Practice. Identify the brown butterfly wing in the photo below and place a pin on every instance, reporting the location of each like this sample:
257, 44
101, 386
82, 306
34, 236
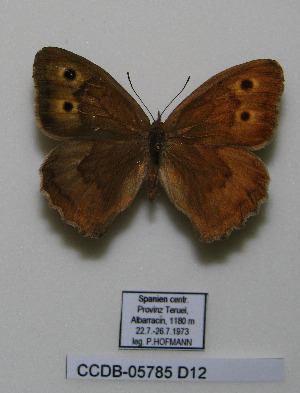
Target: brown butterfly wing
97, 171
75, 97
90, 181
237, 107
206, 167
217, 187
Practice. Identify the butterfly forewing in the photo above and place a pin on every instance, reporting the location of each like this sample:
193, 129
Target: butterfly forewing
237, 107
77, 98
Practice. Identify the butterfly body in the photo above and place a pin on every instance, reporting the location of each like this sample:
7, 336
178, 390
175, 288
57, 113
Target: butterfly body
156, 142
201, 155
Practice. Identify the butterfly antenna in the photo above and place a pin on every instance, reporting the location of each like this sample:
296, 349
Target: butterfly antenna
139, 97
187, 81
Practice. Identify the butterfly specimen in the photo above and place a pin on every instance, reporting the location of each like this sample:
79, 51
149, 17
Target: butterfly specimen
201, 154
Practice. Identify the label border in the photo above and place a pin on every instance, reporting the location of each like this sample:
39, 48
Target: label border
166, 348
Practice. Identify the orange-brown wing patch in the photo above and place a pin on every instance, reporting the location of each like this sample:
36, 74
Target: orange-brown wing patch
237, 107
216, 187
91, 181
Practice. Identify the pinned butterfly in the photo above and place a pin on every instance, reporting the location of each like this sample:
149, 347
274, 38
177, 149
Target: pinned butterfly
201, 155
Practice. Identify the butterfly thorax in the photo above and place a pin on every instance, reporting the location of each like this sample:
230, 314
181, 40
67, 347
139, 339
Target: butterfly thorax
155, 144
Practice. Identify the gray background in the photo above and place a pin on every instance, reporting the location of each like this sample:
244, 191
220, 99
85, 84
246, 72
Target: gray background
61, 293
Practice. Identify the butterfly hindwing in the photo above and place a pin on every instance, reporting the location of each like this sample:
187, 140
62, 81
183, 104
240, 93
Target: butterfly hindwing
216, 187
90, 181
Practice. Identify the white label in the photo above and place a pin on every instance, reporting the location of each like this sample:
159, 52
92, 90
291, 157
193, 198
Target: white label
184, 370
162, 320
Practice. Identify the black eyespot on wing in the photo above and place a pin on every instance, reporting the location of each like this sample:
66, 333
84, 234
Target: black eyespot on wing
245, 116
70, 74
68, 106
246, 84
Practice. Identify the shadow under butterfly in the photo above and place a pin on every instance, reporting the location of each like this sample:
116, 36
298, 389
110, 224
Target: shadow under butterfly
201, 154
